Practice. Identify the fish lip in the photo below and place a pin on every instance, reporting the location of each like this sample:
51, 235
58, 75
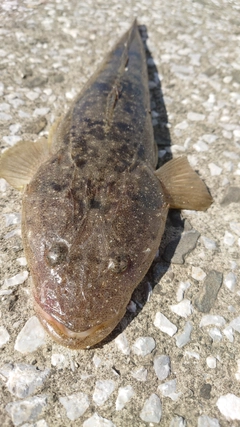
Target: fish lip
72, 339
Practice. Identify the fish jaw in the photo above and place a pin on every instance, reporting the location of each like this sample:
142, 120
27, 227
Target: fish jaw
76, 339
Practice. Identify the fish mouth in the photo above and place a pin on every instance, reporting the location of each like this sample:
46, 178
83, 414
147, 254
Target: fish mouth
72, 339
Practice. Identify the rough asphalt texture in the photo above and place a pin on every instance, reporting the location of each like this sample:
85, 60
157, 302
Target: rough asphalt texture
185, 374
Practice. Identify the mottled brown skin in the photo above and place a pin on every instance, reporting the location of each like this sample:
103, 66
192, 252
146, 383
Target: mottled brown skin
94, 213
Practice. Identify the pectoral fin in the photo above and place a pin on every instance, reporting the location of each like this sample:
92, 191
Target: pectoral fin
183, 187
21, 162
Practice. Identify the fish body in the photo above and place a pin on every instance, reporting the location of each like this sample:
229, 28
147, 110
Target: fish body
94, 212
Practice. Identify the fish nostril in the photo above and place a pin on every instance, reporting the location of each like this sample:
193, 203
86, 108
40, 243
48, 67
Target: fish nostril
119, 264
56, 254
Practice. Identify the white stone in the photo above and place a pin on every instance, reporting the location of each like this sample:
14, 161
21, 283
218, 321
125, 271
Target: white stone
4, 336
161, 322
5, 116
209, 138
30, 337
97, 361
229, 239
228, 332
152, 410
205, 421
208, 243
182, 125
124, 395
214, 169
140, 374
26, 410
178, 422
195, 117
184, 338
23, 379
32, 95
200, 146
58, 360
198, 273
12, 218
97, 421
162, 366
231, 155
22, 261
183, 286
12, 139
211, 319
215, 334
75, 404
16, 280
168, 389
122, 343
211, 362
183, 309
235, 226
14, 128
143, 346
132, 307
4, 107
103, 390
230, 281
41, 111
229, 406
235, 324
3, 185
23, 115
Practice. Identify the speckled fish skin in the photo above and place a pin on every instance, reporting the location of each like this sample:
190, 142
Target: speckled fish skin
94, 213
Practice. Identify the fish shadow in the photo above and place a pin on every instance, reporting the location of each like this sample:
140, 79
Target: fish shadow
174, 225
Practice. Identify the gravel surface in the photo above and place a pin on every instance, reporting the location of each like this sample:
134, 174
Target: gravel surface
174, 359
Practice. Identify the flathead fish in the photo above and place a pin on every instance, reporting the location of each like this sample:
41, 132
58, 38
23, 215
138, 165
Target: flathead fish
94, 207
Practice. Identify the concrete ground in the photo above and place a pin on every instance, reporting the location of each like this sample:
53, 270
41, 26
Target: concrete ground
174, 359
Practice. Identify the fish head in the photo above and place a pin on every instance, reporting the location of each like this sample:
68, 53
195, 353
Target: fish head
88, 249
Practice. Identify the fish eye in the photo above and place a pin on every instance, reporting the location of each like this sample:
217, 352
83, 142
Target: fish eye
119, 264
56, 254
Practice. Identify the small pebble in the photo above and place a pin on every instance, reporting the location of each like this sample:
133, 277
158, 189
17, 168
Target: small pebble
195, 117
205, 421
161, 322
124, 395
96, 361
41, 111
14, 128
200, 146
208, 243
140, 374
235, 226
183, 309
5, 116
58, 360
184, 338
168, 389
235, 324
143, 346
16, 280
228, 332
4, 336
11, 219
22, 261
209, 138
30, 337
152, 410
26, 410
75, 404
192, 354
211, 362
228, 239
229, 406
209, 291
103, 390
40, 423
162, 366
198, 273
230, 281
97, 421
32, 95
183, 286
12, 139
23, 379
211, 319
214, 169
215, 334
122, 343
